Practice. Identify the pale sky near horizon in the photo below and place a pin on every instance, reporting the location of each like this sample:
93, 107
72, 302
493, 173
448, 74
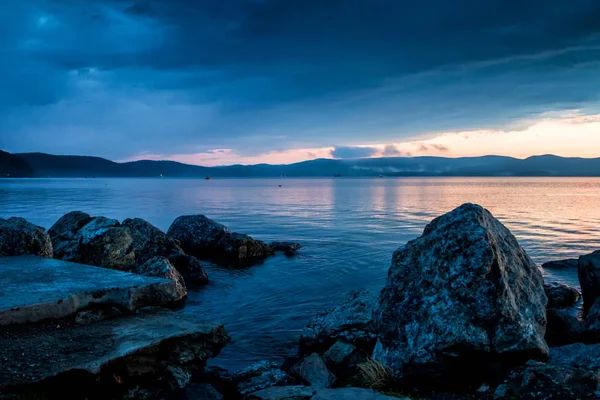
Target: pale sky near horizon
281, 81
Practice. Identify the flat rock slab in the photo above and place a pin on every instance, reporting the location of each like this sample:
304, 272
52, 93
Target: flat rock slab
34, 288
32, 353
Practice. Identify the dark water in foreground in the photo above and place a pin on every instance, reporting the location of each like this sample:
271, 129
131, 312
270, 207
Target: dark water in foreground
348, 228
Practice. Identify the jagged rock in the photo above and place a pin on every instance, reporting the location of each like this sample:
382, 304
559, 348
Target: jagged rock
190, 268
260, 376
588, 271
207, 239
350, 322
561, 264
313, 371
464, 293
289, 248
91, 316
149, 241
18, 237
563, 327
160, 267
65, 237
156, 351
561, 295
537, 380
202, 391
352, 393
284, 393
343, 359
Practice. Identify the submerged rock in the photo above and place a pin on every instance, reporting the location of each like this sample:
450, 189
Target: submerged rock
160, 267
289, 248
350, 322
561, 264
260, 376
207, 239
18, 237
588, 271
464, 293
561, 295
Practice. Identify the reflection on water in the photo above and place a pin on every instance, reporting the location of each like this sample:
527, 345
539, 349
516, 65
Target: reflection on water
348, 227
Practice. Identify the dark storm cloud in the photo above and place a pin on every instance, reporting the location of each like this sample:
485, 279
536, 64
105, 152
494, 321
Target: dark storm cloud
184, 75
353, 152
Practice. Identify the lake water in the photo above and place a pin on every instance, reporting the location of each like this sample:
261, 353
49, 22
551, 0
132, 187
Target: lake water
349, 229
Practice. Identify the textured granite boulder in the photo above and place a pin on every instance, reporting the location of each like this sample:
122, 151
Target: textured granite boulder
65, 235
207, 239
260, 376
18, 237
350, 322
464, 293
160, 267
313, 371
561, 295
149, 241
190, 268
588, 271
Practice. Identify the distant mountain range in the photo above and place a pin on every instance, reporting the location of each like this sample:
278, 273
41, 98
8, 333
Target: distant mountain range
47, 165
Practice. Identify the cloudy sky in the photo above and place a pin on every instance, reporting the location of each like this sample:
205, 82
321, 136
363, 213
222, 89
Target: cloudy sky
219, 82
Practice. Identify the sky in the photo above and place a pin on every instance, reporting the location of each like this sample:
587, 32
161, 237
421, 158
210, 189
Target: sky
278, 81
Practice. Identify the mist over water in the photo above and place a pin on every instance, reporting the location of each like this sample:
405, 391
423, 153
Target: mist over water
349, 229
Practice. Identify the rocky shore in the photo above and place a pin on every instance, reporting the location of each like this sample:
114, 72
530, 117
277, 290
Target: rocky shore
464, 314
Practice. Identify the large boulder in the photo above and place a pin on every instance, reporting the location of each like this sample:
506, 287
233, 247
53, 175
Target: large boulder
561, 295
98, 241
463, 294
149, 241
563, 327
350, 322
19, 237
190, 268
207, 239
588, 271
160, 267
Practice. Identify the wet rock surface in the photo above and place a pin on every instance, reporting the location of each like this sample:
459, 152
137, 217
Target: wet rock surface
314, 372
19, 237
260, 376
207, 239
190, 268
149, 241
343, 359
350, 322
561, 264
461, 295
284, 392
561, 295
288, 248
588, 271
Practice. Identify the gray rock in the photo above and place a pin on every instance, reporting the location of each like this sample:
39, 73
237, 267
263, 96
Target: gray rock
537, 380
161, 349
313, 371
284, 393
160, 267
352, 393
343, 359
591, 323
149, 241
577, 355
561, 264
289, 248
464, 292
350, 322
65, 235
190, 268
561, 295
260, 376
18, 237
91, 316
588, 271
207, 239
202, 391
563, 327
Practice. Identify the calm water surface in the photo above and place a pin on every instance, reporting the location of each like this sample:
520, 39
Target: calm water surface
348, 228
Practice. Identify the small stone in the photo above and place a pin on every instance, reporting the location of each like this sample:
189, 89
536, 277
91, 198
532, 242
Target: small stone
313, 370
